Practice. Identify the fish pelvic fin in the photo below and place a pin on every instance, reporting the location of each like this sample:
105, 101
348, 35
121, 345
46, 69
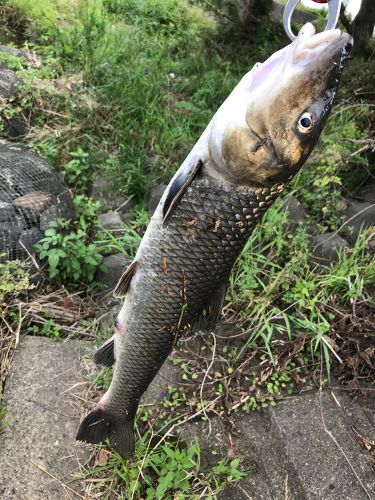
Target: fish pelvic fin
100, 425
106, 354
123, 285
178, 188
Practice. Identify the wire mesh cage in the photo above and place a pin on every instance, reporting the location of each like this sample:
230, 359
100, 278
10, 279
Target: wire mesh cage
31, 197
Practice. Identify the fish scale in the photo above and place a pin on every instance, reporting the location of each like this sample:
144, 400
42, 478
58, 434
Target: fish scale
199, 261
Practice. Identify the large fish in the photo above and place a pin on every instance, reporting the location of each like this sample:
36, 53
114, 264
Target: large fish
253, 146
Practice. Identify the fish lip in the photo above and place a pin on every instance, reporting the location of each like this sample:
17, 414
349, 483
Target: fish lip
318, 46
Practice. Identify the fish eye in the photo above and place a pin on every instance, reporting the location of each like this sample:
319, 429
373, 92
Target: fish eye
305, 123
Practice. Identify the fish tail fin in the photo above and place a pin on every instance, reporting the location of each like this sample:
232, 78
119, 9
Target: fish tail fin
100, 425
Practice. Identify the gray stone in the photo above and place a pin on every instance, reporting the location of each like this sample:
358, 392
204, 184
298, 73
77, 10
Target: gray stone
153, 198
367, 193
13, 51
325, 248
297, 214
116, 264
106, 192
111, 220
43, 418
295, 450
9, 83
316, 435
28, 238
53, 213
7, 212
358, 216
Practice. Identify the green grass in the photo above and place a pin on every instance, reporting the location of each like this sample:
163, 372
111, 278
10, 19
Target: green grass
146, 77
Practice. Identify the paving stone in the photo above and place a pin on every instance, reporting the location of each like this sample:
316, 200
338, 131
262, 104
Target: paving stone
287, 453
42, 421
318, 442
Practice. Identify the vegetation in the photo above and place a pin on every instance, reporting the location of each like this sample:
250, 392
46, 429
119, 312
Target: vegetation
124, 89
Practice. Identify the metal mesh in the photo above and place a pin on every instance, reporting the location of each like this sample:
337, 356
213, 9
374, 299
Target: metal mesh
31, 197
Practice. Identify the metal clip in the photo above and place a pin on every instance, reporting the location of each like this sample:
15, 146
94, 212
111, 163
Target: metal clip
334, 7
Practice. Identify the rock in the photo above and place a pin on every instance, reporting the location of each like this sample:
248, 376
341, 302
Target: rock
325, 247
52, 214
153, 198
297, 214
9, 83
13, 51
7, 212
106, 192
111, 220
367, 193
28, 238
358, 216
15, 126
116, 265
28, 182
43, 418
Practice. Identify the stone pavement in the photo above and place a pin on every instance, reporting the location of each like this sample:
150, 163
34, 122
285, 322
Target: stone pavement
314, 446
42, 422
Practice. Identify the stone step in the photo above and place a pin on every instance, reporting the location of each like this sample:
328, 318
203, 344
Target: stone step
39, 457
308, 447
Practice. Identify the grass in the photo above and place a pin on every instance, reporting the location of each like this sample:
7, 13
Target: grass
141, 81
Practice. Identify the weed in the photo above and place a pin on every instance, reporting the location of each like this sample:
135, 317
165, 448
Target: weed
166, 469
3, 413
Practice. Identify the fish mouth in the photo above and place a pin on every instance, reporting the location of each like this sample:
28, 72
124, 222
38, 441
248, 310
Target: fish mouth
327, 45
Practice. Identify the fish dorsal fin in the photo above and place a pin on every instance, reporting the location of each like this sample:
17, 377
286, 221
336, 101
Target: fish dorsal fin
178, 188
124, 282
208, 317
106, 354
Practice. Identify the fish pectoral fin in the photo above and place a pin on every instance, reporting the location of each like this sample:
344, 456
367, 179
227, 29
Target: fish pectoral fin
208, 318
106, 354
124, 282
178, 188
100, 425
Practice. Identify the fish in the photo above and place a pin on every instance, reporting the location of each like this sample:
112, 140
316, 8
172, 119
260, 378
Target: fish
252, 148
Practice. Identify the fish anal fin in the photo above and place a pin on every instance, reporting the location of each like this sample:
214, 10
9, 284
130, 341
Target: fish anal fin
124, 282
106, 354
178, 188
209, 316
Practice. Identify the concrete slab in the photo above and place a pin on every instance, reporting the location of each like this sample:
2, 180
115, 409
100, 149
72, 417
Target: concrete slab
291, 452
316, 433
42, 422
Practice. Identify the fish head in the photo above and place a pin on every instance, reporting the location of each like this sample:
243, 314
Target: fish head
271, 122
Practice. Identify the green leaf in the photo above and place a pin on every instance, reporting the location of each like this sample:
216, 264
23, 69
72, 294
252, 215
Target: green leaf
53, 259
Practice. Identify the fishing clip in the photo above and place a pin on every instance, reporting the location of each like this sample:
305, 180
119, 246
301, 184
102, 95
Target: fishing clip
334, 7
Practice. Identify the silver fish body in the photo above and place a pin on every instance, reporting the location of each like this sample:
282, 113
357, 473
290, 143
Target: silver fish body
240, 165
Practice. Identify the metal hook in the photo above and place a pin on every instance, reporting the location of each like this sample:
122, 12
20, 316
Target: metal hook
334, 7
